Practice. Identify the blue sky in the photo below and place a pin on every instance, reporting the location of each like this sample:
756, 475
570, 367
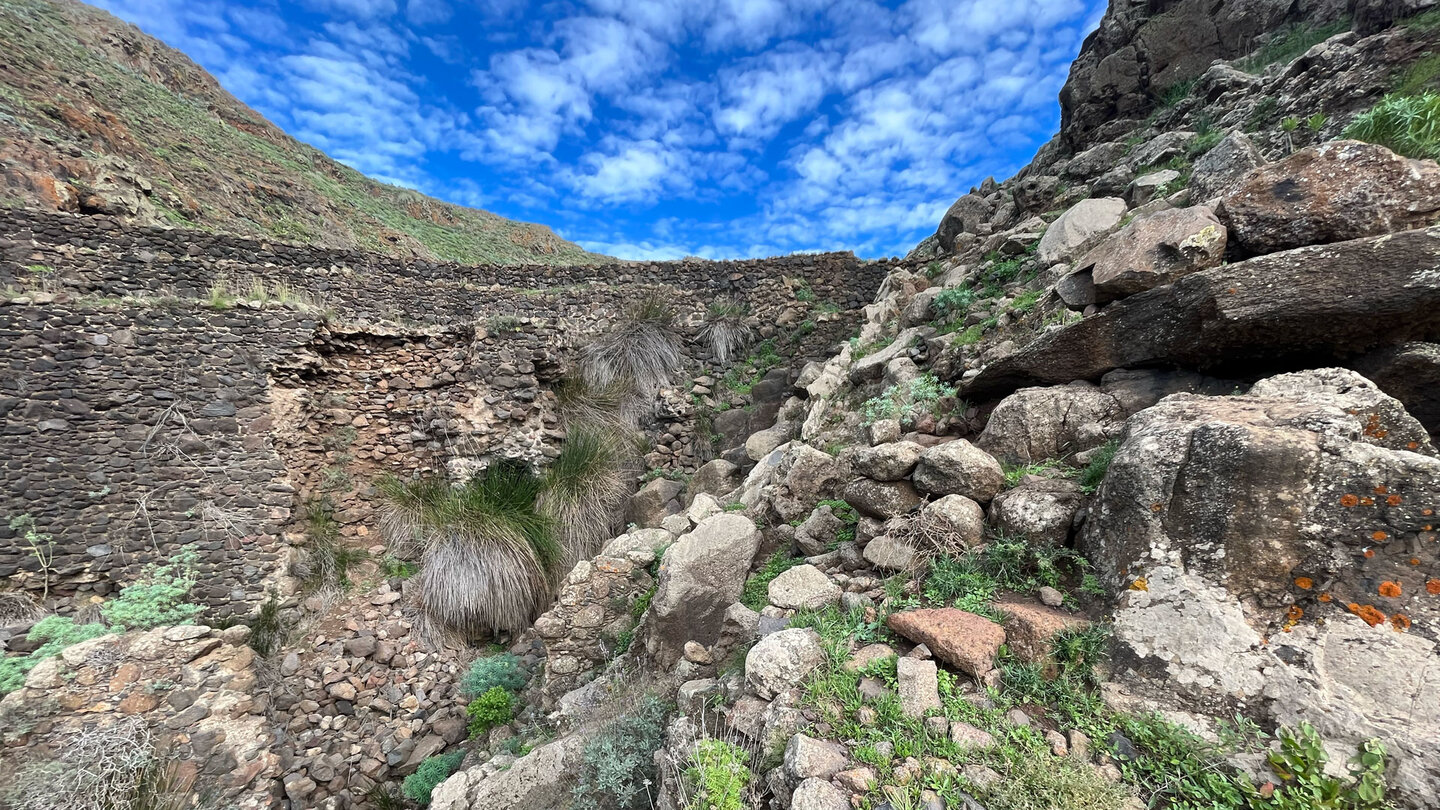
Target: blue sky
657, 128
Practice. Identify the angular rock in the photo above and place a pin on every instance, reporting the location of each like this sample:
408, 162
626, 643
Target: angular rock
958, 638
807, 757
541, 778
654, 501
1084, 224
817, 794
1030, 629
812, 475
882, 499
782, 660
762, 443
964, 216
970, 737
918, 685
1333, 192
959, 468
1146, 187
887, 462
1155, 250
1220, 170
718, 478
700, 576
890, 553
803, 586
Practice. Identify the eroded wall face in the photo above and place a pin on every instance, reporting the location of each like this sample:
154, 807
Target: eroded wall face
143, 410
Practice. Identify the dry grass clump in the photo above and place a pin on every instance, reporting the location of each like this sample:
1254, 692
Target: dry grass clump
726, 331
585, 492
642, 351
114, 767
487, 553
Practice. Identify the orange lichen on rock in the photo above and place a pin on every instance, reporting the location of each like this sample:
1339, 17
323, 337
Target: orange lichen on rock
1139, 585
1304, 583
1367, 501
1369, 552
1347, 500
1381, 490
1295, 613
1325, 597
1432, 587
1394, 500
1368, 613
1400, 622
1390, 589
1379, 536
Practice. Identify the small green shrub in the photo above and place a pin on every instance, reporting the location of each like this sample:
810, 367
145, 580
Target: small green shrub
617, 766
157, 598
1176, 93
493, 708
952, 302
1014, 474
1099, 465
418, 786
1201, 144
57, 633
267, 627
959, 582
1407, 125
756, 593
720, 774
908, 401
1304, 785
493, 671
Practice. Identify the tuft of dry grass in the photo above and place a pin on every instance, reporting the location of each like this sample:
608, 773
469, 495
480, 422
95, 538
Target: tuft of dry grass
642, 351
585, 493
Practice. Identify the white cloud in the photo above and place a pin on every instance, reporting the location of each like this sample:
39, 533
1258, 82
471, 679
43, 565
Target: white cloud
361, 9
427, 12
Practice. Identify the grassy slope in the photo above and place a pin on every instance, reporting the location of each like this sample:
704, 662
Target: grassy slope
80, 90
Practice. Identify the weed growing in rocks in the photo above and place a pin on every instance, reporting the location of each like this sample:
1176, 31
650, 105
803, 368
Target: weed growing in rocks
1287, 43
418, 786
725, 329
157, 598
56, 633
584, 493
493, 671
720, 772
908, 401
329, 559
1099, 465
42, 549
743, 376
267, 627
642, 351
1015, 473
493, 708
617, 768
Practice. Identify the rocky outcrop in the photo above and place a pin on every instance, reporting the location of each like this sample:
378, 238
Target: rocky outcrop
1302, 512
1154, 250
1291, 307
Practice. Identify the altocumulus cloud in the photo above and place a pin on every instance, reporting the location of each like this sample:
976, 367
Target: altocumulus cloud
657, 128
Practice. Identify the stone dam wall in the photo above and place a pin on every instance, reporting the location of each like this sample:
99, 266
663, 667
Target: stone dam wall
139, 415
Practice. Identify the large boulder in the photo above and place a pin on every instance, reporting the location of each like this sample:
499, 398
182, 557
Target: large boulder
1291, 308
958, 520
1035, 424
1155, 250
1041, 509
1331, 193
1302, 513
803, 586
1084, 224
882, 499
959, 468
700, 576
811, 475
718, 478
964, 216
887, 462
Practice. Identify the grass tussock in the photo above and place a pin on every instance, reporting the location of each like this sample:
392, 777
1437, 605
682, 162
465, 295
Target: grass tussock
1407, 125
725, 330
585, 493
642, 350
488, 555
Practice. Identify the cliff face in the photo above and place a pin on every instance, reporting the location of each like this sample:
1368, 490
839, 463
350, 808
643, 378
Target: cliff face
97, 117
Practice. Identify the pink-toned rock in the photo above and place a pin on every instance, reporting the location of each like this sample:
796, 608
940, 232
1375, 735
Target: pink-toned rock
1030, 628
961, 639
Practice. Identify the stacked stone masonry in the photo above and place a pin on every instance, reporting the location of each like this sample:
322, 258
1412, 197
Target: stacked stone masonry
138, 417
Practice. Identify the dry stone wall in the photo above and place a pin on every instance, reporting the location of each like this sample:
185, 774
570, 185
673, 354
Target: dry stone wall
139, 417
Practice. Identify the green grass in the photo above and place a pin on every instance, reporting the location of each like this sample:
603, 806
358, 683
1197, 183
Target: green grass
1015, 473
1428, 21
1177, 93
1419, 78
1099, 465
1287, 43
742, 377
1408, 125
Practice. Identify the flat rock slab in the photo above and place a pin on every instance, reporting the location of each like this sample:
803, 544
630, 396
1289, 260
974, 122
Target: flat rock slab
1030, 629
959, 638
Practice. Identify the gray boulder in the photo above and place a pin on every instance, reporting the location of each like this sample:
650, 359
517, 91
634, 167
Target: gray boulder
1155, 250
1222, 169
1084, 224
700, 576
654, 502
882, 499
959, 468
1035, 424
541, 778
887, 462
1041, 509
959, 520
781, 660
803, 586
718, 478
